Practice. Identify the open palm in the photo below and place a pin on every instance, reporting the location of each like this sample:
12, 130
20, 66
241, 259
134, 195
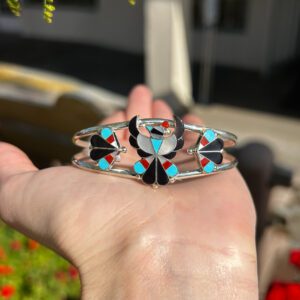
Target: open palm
189, 240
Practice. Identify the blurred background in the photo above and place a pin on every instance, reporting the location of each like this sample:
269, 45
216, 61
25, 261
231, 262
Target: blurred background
234, 62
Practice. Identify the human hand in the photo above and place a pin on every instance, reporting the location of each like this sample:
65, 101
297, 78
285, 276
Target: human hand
189, 240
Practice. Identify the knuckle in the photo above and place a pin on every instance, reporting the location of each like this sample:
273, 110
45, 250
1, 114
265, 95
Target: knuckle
6, 190
12, 192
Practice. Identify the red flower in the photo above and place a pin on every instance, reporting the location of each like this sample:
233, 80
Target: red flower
293, 291
33, 245
5, 270
295, 257
7, 291
16, 245
284, 291
61, 276
73, 272
2, 254
277, 291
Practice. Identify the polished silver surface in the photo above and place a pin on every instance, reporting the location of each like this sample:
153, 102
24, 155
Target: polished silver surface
79, 138
85, 163
145, 144
82, 139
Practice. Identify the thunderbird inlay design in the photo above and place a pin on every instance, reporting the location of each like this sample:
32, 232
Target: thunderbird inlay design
156, 142
156, 150
105, 148
209, 151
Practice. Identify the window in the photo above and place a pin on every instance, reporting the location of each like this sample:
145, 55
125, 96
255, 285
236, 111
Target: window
230, 15
77, 2
4, 8
233, 15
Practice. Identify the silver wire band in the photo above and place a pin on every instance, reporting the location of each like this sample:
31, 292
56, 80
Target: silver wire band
82, 139
78, 139
84, 162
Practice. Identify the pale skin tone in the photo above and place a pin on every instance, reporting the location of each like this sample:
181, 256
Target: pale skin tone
189, 240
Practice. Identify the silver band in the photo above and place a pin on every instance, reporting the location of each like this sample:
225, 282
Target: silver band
80, 138
83, 139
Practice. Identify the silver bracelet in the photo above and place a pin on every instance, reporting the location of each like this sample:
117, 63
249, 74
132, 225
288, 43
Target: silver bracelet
156, 148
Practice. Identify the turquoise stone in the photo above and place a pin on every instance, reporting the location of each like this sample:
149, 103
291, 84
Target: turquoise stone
139, 168
156, 144
106, 132
103, 164
209, 135
209, 167
172, 171
149, 128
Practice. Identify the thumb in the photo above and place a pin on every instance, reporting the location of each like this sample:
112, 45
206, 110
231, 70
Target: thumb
13, 161
18, 206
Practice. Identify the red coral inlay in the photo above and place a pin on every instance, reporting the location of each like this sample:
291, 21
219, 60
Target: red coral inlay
145, 163
111, 139
204, 141
165, 124
204, 162
109, 158
167, 164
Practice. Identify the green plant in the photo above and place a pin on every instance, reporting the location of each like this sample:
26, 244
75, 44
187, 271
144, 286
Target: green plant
49, 8
14, 6
30, 271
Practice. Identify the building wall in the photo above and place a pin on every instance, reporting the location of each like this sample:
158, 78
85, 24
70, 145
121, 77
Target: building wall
270, 35
269, 38
113, 23
284, 31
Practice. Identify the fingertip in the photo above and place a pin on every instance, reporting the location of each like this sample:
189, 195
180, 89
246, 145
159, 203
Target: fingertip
11, 150
13, 161
190, 137
193, 119
139, 102
140, 90
162, 110
118, 116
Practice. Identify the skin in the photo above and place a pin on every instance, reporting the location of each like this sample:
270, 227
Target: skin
189, 240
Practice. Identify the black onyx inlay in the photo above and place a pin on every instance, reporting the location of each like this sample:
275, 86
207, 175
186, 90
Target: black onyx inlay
97, 154
155, 173
133, 142
132, 126
142, 153
216, 145
215, 157
179, 130
180, 143
162, 177
155, 131
97, 141
149, 176
170, 155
